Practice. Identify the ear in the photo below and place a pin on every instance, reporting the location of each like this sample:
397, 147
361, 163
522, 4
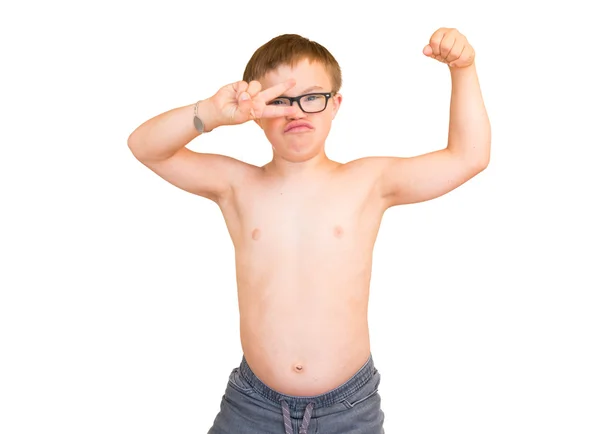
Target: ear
337, 101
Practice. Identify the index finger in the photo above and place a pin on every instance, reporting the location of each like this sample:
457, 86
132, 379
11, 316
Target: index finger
436, 40
275, 91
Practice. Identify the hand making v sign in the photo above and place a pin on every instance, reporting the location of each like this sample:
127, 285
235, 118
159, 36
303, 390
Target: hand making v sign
240, 102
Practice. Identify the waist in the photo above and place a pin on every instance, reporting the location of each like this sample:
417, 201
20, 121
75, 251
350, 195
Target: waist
337, 394
286, 354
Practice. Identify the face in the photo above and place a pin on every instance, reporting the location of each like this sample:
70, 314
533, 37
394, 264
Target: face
301, 136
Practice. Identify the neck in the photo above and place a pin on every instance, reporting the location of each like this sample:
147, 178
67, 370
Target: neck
281, 167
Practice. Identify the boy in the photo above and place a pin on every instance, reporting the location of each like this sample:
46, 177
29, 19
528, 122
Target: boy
304, 226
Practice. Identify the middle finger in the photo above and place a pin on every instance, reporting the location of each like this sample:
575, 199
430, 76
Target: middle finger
446, 45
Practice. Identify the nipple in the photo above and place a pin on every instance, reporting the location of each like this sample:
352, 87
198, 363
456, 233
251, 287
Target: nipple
338, 231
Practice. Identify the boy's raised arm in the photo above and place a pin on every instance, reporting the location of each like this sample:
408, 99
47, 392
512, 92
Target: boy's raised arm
427, 176
160, 142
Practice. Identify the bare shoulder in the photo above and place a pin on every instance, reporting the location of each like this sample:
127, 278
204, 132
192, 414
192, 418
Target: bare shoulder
363, 175
367, 169
366, 164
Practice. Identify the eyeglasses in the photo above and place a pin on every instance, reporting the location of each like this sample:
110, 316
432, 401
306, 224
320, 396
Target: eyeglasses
308, 103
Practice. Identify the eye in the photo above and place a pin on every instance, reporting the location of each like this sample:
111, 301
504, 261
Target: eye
279, 101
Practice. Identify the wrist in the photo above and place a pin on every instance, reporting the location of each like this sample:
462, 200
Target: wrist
206, 111
463, 76
462, 70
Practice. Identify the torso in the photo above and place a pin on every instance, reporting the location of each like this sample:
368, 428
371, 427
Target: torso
303, 253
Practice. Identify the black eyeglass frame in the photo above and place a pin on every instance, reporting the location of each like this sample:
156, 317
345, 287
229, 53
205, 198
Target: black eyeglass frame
291, 99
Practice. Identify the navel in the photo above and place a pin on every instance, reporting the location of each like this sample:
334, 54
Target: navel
298, 368
256, 234
338, 231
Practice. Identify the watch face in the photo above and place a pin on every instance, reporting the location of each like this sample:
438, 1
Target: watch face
198, 124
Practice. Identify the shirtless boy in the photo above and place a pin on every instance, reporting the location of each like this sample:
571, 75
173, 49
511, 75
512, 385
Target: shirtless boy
304, 227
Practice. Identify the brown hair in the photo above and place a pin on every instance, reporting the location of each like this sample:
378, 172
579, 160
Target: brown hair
289, 49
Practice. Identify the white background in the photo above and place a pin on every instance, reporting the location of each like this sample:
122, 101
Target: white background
118, 310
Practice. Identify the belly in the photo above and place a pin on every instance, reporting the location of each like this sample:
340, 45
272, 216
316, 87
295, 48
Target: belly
303, 314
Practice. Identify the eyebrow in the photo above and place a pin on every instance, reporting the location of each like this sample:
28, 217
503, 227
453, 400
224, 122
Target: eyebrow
308, 89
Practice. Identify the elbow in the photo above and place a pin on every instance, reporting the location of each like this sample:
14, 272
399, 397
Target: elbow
133, 147
135, 144
479, 163
482, 160
137, 150
485, 158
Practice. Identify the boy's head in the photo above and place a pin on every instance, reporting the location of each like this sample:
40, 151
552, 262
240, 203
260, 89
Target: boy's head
318, 77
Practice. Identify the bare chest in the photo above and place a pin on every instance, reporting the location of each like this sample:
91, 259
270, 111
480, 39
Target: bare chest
298, 218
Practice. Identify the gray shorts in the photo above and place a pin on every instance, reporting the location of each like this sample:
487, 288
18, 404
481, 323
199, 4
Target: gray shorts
251, 407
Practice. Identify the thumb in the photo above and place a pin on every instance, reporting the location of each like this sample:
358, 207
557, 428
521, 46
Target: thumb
428, 51
244, 101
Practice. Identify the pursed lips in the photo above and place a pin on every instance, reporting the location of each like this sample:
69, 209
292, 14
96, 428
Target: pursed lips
297, 126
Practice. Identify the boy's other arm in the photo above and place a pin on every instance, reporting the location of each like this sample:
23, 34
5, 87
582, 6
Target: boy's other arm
427, 176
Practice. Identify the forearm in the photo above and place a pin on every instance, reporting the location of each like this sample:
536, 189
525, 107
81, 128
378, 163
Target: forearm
163, 135
469, 132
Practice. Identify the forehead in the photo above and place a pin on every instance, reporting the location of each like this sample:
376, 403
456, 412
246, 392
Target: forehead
306, 73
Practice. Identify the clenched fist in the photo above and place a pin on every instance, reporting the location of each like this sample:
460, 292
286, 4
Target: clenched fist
449, 46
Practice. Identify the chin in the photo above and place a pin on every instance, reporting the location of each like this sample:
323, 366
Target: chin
298, 158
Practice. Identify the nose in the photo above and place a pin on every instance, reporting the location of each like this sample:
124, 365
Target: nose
298, 114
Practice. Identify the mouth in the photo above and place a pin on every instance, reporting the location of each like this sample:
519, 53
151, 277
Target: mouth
298, 127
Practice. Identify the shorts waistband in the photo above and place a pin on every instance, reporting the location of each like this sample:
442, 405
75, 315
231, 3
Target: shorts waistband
359, 379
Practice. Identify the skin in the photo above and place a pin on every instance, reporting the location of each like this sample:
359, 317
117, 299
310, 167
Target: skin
304, 226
